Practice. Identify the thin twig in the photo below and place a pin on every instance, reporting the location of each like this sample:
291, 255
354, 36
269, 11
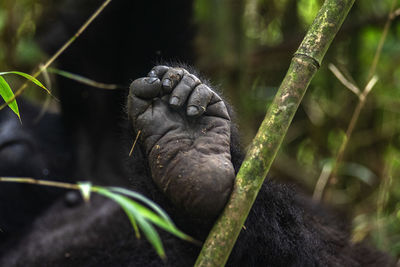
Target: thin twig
59, 52
46, 104
28, 180
134, 143
322, 181
354, 119
369, 86
343, 80
391, 16
84, 80
349, 132
321, 184
372, 79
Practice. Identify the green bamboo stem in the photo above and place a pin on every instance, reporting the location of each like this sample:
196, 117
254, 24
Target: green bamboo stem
265, 145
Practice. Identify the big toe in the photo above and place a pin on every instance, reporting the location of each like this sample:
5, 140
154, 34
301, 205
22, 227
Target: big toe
147, 88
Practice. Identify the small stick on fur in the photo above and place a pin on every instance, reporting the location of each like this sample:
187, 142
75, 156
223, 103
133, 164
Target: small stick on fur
134, 143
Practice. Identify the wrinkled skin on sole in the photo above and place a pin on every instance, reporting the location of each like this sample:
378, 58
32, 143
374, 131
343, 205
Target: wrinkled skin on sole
185, 132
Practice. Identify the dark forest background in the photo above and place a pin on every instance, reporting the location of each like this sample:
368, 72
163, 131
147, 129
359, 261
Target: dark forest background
245, 47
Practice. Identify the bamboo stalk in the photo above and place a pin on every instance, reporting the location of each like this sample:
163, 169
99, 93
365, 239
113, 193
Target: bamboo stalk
265, 145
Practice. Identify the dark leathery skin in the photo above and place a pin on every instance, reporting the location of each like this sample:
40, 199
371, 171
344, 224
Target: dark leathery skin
185, 131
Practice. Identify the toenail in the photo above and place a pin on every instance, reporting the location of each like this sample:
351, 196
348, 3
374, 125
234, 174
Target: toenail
167, 83
174, 101
152, 73
151, 80
192, 111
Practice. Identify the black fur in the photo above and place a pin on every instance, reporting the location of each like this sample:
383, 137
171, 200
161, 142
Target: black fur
283, 229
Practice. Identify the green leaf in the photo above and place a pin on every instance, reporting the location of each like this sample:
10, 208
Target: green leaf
162, 220
126, 203
133, 221
27, 76
141, 216
6, 93
152, 235
144, 199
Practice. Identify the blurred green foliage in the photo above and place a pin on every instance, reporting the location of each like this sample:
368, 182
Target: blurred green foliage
18, 49
249, 51
246, 46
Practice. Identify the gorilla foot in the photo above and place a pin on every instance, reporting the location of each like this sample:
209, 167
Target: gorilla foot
185, 131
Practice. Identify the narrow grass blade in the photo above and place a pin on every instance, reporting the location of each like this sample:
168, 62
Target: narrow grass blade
83, 80
161, 219
27, 76
143, 199
126, 203
6, 93
133, 222
160, 222
152, 235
